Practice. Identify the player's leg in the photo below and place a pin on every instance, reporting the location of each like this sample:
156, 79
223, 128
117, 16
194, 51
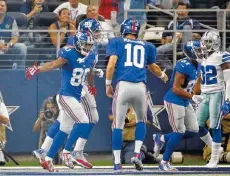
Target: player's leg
42, 152
176, 115
81, 128
202, 114
191, 124
89, 105
216, 101
139, 103
119, 108
69, 109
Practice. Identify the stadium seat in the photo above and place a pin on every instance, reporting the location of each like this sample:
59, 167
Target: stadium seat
53, 4
20, 18
14, 5
44, 19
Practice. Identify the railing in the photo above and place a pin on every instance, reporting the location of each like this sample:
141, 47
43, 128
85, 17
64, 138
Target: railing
39, 47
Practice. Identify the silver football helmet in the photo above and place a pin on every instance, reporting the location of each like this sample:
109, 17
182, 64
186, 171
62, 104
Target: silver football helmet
211, 40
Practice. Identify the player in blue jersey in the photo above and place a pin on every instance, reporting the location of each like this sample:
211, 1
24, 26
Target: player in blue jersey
75, 69
131, 57
181, 115
88, 102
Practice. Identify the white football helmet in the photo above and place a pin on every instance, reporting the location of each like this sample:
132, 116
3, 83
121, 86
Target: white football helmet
211, 40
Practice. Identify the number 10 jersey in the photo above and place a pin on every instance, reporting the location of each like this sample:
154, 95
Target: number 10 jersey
212, 73
133, 57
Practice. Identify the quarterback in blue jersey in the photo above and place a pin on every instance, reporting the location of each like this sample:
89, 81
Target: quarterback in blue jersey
177, 100
131, 57
88, 103
75, 69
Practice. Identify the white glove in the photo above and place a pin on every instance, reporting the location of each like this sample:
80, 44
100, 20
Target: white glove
197, 99
98, 72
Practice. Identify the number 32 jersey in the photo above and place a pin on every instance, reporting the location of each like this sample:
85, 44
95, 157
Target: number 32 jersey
75, 72
133, 57
212, 73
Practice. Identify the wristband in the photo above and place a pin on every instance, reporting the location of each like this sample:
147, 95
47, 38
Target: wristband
108, 82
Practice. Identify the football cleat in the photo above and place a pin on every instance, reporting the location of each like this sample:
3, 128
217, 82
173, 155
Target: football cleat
67, 159
40, 154
117, 167
80, 159
137, 162
166, 167
48, 165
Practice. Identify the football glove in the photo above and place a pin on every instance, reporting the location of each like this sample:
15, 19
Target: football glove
197, 99
31, 71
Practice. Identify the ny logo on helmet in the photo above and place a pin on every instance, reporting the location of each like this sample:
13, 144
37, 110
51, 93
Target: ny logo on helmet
88, 24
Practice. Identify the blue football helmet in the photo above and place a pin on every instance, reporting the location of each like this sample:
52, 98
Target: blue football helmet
194, 50
83, 42
91, 25
130, 26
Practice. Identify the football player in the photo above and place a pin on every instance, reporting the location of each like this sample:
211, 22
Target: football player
181, 114
131, 57
75, 69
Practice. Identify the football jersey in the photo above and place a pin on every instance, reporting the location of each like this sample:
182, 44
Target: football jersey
191, 72
74, 73
212, 74
133, 57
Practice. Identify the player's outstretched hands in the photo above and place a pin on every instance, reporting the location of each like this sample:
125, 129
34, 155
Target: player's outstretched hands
164, 77
109, 91
225, 108
31, 71
98, 72
92, 90
197, 99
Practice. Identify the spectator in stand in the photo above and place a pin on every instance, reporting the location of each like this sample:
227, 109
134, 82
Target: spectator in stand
33, 7
92, 12
63, 24
76, 8
183, 23
140, 16
109, 9
10, 50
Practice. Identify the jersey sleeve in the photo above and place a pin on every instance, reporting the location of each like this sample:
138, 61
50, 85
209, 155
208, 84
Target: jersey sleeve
70, 41
64, 53
111, 48
225, 58
151, 54
181, 67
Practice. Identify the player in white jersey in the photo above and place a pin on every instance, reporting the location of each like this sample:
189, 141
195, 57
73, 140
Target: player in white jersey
215, 73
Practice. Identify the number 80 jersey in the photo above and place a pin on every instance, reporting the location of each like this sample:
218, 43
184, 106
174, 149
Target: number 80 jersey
133, 57
75, 72
212, 73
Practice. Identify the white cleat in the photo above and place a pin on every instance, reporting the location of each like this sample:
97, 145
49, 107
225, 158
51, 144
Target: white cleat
212, 164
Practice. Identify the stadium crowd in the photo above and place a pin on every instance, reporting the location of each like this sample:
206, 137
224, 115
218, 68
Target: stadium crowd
65, 16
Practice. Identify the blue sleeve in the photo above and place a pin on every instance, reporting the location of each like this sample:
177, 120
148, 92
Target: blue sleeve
196, 24
181, 67
64, 53
226, 58
151, 56
25, 9
111, 48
